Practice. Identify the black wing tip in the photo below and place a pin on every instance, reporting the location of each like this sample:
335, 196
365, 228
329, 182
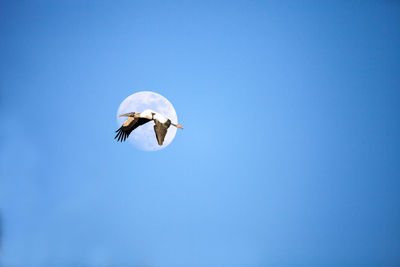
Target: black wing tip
121, 136
118, 135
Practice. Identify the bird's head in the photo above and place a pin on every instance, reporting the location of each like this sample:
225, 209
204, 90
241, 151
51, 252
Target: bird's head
130, 114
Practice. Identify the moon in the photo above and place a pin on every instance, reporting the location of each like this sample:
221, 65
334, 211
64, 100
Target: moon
144, 137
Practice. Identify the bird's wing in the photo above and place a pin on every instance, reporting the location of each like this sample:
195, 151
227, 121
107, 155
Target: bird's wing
161, 130
130, 124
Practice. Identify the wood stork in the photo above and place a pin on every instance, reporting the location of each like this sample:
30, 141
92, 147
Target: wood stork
135, 120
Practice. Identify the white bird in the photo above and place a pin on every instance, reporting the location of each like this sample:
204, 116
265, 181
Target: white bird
135, 120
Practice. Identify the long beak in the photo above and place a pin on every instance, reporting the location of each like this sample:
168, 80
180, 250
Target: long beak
179, 126
125, 115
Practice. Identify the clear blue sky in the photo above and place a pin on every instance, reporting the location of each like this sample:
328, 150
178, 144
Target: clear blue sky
290, 153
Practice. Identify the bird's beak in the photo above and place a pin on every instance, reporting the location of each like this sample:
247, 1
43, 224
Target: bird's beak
125, 115
179, 126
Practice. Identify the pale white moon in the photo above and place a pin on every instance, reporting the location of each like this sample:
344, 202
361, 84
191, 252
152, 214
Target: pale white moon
144, 136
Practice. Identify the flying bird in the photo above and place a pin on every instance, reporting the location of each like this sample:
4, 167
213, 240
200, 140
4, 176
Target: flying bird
161, 124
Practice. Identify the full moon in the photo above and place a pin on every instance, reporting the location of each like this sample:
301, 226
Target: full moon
144, 137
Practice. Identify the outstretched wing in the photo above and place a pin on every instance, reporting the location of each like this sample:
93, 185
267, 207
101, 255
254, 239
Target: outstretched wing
130, 124
161, 130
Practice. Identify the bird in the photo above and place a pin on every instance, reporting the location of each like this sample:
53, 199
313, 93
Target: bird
161, 124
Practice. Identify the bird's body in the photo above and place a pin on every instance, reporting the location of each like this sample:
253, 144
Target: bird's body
161, 124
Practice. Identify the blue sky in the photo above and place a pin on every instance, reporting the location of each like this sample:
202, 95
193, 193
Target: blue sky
289, 156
